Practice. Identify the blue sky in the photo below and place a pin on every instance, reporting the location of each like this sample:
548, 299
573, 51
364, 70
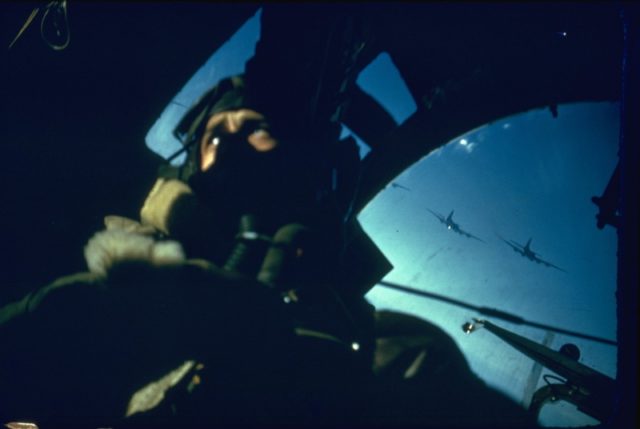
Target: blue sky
526, 176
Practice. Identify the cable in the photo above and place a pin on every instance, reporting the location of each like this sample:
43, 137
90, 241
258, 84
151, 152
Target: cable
60, 14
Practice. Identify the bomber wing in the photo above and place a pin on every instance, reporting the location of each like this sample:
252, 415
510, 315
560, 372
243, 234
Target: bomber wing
439, 216
469, 235
548, 264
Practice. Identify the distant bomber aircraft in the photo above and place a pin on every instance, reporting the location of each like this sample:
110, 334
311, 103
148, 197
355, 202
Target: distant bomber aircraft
451, 225
528, 253
397, 185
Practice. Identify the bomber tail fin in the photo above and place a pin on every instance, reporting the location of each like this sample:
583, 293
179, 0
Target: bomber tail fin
527, 246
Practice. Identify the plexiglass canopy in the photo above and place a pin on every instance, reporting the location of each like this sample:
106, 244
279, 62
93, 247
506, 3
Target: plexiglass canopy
525, 177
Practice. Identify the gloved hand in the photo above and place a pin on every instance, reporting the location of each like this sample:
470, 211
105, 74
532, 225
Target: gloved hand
125, 239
